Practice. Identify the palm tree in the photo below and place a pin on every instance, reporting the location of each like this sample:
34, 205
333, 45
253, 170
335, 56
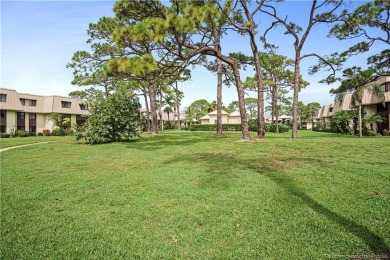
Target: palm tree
373, 119
357, 99
168, 110
190, 114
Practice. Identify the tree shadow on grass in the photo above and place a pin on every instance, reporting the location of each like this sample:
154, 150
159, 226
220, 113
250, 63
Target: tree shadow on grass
154, 143
274, 172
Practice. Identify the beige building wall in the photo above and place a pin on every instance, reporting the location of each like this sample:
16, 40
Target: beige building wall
234, 120
11, 120
213, 119
41, 122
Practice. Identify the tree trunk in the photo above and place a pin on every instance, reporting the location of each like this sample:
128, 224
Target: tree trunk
159, 111
240, 93
177, 107
219, 98
275, 108
295, 96
152, 97
147, 111
217, 46
360, 120
260, 89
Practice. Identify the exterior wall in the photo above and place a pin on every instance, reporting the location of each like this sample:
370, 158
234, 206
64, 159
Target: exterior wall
213, 119
234, 120
204, 121
41, 122
11, 120
370, 109
42, 106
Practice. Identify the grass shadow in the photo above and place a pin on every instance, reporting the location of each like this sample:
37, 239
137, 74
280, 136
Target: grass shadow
274, 172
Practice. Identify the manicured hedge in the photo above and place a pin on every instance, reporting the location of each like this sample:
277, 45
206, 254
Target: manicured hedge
268, 127
213, 127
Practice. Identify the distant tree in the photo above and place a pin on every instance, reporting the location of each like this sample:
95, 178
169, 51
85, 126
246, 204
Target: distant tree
251, 106
300, 36
168, 110
200, 108
233, 106
312, 109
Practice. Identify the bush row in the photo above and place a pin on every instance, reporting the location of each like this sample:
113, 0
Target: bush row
237, 127
213, 127
45, 132
268, 127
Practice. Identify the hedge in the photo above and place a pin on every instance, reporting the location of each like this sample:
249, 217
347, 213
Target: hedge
213, 127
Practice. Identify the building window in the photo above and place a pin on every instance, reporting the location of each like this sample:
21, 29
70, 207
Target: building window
387, 87
32, 116
330, 109
3, 97
20, 128
2, 112
80, 119
32, 103
21, 116
83, 106
23, 101
32, 129
65, 104
3, 129
382, 108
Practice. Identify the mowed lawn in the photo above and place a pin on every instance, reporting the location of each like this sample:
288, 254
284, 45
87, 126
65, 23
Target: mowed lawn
194, 196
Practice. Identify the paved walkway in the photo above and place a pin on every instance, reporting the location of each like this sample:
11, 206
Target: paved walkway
18, 146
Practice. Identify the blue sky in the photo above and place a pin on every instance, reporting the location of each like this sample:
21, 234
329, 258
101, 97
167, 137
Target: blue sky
38, 39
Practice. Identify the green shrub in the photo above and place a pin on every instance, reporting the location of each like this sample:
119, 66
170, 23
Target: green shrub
369, 132
184, 128
46, 132
386, 132
213, 127
69, 131
252, 125
281, 127
169, 125
268, 127
21, 133
40, 134
57, 132
5, 135
32, 134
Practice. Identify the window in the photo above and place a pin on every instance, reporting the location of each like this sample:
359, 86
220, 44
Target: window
382, 108
20, 116
23, 101
3, 129
32, 116
2, 112
83, 106
3, 97
32, 129
65, 104
330, 109
20, 128
32, 103
387, 87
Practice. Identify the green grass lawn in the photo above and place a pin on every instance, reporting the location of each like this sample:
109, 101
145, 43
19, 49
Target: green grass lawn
192, 195
8, 142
